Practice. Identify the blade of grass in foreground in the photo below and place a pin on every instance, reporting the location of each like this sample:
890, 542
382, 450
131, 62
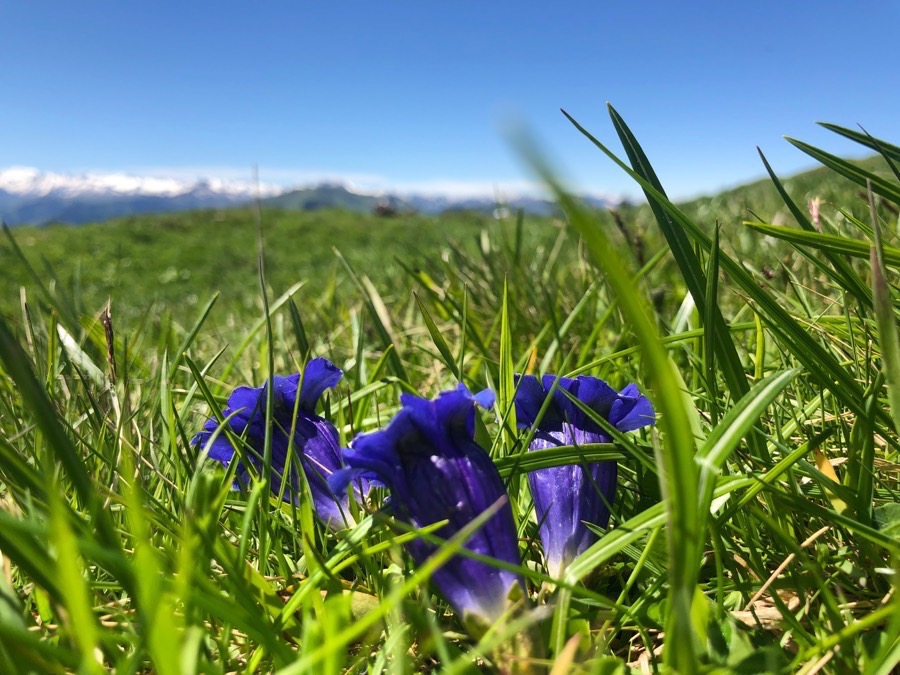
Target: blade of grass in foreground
691, 270
17, 365
379, 315
849, 170
887, 322
888, 150
82, 624
840, 269
819, 362
710, 338
679, 478
507, 387
826, 242
161, 625
534, 460
736, 423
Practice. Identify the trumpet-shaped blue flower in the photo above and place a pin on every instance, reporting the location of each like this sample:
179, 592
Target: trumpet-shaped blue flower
314, 445
567, 497
428, 459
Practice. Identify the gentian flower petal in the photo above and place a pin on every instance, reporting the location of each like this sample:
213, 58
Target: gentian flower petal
530, 397
631, 411
568, 497
314, 447
428, 459
320, 374
596, 395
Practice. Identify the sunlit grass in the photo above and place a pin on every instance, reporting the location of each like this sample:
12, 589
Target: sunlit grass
758, 526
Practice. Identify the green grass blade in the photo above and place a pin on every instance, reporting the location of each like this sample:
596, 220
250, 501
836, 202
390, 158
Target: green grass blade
843, 272
709, 336
823, 241
438, 339
865, 139
888, 339
849, 170
507, 387
38, 654
257, 326
736, 423
41, 408
299, 330
77, 596
686, 258
821, 364
191, 335
23, 481
566, 327
379, 315
634, 529
680, 476
559, 456
25, 543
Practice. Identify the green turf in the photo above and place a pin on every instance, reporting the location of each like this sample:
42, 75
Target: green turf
755, 529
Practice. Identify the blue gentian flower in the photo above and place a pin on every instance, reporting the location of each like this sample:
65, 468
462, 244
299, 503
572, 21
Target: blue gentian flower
428, 459
567, 497
314, 445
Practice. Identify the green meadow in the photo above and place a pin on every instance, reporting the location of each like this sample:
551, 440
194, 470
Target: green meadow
755, 528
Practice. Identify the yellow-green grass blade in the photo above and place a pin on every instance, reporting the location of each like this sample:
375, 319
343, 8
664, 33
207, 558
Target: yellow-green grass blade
447, 357
709, 319
76, 595
888, 338
507, 388
378, 313
254, 329
562, 455
191, 335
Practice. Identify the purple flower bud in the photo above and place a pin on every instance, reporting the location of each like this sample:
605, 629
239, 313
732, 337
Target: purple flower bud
428, 459
314, 445
567, 497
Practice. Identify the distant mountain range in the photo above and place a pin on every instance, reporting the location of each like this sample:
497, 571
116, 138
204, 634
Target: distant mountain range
28, 196
338, 196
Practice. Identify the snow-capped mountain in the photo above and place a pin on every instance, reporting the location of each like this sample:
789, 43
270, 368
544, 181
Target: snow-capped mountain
30, 182
29, 196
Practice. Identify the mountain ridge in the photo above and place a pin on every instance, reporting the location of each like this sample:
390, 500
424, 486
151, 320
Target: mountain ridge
31, 197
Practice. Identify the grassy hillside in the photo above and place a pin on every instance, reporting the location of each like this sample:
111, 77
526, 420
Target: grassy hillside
754, 528
179, 260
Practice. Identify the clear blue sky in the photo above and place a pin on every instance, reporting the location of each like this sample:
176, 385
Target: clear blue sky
417, 94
